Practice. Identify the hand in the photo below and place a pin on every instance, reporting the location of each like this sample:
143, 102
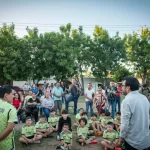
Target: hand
70, 145
44, 130
65, 145
120, 141
34, 103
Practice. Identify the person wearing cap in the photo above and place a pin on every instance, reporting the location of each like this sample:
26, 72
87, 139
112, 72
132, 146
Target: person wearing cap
42, 127
29, 134
8, 116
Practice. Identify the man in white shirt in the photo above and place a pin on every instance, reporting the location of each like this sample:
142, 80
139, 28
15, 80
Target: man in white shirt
135, 111
89, 95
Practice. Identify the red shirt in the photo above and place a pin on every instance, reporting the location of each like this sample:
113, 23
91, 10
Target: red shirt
16, 103
120, 90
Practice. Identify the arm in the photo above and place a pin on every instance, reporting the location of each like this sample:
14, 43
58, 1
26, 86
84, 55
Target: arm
125, 118
19, 107
7, 131
106, 141
70, 124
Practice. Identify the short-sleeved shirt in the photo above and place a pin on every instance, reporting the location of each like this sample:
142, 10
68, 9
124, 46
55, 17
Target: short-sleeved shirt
110, 136
41, 126
78, 116
28, 130
48, 103
66, 136
57, 91
36, 100
16, 103
27, 98
105, 121
74, 91
118, 121
83, 132
101, 118
8, 114
89, 93
53, 120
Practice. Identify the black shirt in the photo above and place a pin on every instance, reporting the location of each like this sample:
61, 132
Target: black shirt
31, 101
74, 91
61, 123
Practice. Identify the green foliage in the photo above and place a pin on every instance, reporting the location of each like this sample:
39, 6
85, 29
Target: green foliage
121, 73
138, 52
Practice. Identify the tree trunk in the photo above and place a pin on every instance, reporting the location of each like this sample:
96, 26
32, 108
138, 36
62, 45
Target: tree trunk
82, 81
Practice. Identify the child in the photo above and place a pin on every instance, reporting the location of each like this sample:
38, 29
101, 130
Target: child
94, 124
110, 137
117, 121
106, 119
29, 133
82, 115
53, 121
78, 116
102, 116
66, 138
64, 119
42, 127
82, 132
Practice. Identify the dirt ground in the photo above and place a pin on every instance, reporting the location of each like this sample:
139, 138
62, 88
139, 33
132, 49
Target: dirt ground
50, 143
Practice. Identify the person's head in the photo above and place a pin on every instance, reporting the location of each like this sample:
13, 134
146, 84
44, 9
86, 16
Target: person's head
33, 95
47, 95
53, 113
42, 118
73, 81
99, 90
110, 126
28, 121
57, 84
144, 87
62, 83
17, 96
65, 127
84, 115
6, 93
107, 114
118, 115
148, 96
33, 86
30, 93
102, 112
64, 114
89, 86
130, 84
82, 122
94, 117
45, 83
112, 83
118, 85
81, 110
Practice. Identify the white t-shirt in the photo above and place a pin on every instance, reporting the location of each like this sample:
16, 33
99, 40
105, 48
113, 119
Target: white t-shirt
89, 93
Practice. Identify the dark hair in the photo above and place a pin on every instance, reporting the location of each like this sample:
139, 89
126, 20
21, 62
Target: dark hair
94, 115
107, 113
64, 112
6, 89
90, 83
144, 85
18, 96
118, 113
133, 83
42, 116
111, 124
84, 113
84, 120
52, 110
27, 118
65, 124
102, 111
81, 109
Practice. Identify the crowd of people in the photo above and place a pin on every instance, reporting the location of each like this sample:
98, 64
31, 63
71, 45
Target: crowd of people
123, 125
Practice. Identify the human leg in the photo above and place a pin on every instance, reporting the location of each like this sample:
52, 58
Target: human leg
46, 112
87, 107
113, 105
59, 106
91, 108
70, 98
35, 114
129, 147
75, 105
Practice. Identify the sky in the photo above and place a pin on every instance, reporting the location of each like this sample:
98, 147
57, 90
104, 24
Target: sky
48, 15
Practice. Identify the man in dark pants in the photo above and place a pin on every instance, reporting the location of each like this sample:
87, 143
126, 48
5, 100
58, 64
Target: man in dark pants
74, 95
135, 110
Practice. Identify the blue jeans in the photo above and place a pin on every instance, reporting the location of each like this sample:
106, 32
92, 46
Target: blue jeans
91, 108
64, 99
112, 104
46, 112
72, 98
118, 102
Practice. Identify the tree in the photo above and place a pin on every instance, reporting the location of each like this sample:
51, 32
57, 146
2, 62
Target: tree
107, 53
138, 52
13, 55
121, 73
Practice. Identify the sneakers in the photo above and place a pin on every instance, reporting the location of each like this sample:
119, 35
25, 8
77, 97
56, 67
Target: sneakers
58, 147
